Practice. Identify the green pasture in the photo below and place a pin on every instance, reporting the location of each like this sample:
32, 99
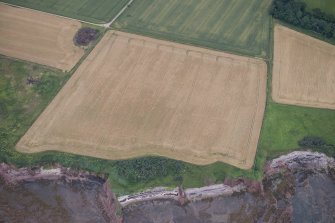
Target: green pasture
96, 11
285, 125
327, 6
232, 25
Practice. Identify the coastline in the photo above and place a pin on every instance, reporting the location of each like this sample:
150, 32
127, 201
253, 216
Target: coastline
278, 186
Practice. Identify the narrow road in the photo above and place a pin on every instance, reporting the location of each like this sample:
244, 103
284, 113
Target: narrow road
118, 15
105, 25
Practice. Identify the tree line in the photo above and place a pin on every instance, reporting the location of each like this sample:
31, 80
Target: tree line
296, 13
148, 168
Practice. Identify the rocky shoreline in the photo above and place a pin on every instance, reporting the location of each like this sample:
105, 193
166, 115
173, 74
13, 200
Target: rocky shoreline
274, 197
13, 176
301, 160
180, 195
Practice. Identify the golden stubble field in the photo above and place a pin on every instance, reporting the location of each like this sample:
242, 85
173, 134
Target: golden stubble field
135, 96
303, 70
38, 37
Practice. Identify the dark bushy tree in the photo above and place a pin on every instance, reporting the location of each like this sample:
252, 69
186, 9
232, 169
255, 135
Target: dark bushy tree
86, 35
317, 144
311, 142
148, 168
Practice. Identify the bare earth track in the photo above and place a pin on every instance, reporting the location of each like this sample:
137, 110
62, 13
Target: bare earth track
303, 70
135, 96
38, 37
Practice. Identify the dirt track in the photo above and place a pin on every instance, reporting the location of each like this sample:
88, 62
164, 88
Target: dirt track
38, 37
303, 71
135, 96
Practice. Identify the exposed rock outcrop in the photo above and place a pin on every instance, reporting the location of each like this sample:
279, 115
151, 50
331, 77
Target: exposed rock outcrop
12, 175
300, 160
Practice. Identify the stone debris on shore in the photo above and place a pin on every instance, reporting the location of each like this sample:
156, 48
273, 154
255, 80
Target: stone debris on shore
177, 194
152, 194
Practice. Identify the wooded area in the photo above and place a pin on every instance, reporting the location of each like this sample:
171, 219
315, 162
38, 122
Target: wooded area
296, 13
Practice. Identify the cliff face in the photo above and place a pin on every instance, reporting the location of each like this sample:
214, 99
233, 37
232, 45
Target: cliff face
298, 187
55, 195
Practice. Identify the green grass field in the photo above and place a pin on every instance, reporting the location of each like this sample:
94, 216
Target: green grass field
96, 11
285, 125
231, 25
327, 6
21, 103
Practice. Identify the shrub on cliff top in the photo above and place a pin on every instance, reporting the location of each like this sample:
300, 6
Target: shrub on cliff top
311, 142
148, 168
317, 144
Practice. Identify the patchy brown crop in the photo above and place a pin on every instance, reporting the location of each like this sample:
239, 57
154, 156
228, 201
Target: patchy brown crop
135, 96
38, 37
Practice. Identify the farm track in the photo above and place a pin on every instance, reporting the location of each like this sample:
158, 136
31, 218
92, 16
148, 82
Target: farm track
162, 98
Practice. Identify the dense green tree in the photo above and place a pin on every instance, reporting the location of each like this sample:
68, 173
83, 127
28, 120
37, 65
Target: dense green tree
295, 13
148, 168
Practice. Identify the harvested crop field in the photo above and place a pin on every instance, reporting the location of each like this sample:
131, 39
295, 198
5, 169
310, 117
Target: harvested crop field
38, 37
136, 96
232, 25
303, 70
